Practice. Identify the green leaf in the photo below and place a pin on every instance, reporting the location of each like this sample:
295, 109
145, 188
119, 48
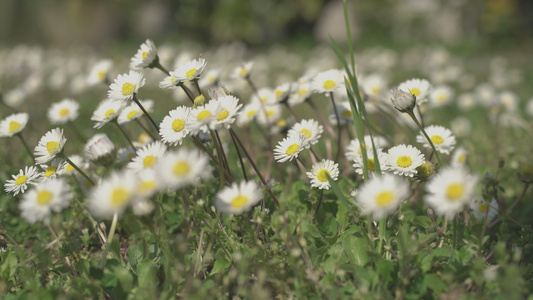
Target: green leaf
355, 248
134, 254
221, 262
385, 269
335, 187
435, 283
147, 274
422, 221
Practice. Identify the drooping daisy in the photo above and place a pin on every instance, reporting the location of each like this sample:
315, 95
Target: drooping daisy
441, 137
49, 146
403, 160
358, 162
175, 126
113, 194
318, 173
202, 118
243, 71
107, 111
300, 93
450, 190
282, 92
290, 147
417, 87
48, 196
145, 56
248, 113
183, 167
100, 72
54, 168
229, 110
20, 181
100, 149
267, 115
381, 196
147, 156
238, 198
311, 129
189, 71
132, 111
354, 148
403, 101
125, 86
328, 81
480, 208
440, 96
13, 124
63, 111
459, 157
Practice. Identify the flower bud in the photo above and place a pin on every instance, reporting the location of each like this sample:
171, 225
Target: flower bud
402, 101
526, 173
100, 149
425, 171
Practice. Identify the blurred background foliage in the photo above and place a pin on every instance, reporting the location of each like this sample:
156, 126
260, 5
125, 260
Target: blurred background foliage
259, 23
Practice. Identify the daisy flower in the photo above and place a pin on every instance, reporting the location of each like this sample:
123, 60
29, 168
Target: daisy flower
78, 161
264, 96
328, 81
125, 86
281, 93
169, 82
441, 137
107, 111
175, 126
459, 157
145, 56
403, 160
147, 185
189, 71
311, 129
48, 196
373, 85
229, 109
381, 196
20, 181
449, 190
13, 124
345, 113
210, 79
147, 156
100, 72
50, 145
248, 113
202, 118
359, 166
243, 71
300, 93
132, 111
113, 195
125, 154
402, 101
100, 149
440, 96
238, 198
15, 97
416, 87
63, 111
479, 208
56, 167
318, 173
268, 114
290, 147
182, 167
354, 148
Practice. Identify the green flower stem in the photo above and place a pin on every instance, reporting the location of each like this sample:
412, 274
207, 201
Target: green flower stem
319, 203
198, 143
80, 171
19, 135
252, 85
339, 127
158, 65
251, 160
197, 86
109, 239
291, 111
412, 115
145, 112
240, 157
321, 118
381, 233
515, 203
187, 91
125, 135
224, 157
454, 245
146, 130
220, 160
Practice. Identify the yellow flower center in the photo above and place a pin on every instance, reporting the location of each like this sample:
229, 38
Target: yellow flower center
50, 171
306, 132
145, 54
239, 201
52, 147
292, 149
63, 112
415, 91
346, 113
44, 197
269, 113
251, 113
132, 114
69, 168
101, 75
329, 84
181, 168
21, 179
461, 158
384, 198
404, 161
119, 197
263, 99
149, 161
437, 139
190, 74
482, 208
281, 123
127, 88
178, 125
375, 90
302, 92
110, 113
14, 126
145, 187
243, 72
441, 98
321, 175
223, 115
204, 114
454, 191
278, 94
371, 164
